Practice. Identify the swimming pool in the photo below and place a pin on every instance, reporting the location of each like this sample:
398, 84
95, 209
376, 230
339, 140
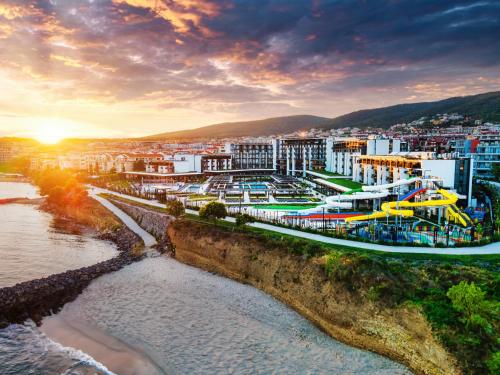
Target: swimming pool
193, 188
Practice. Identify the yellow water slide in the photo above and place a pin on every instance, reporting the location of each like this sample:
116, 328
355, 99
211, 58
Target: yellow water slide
456, 215
394, 208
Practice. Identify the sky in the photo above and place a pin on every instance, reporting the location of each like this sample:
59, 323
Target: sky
125, 68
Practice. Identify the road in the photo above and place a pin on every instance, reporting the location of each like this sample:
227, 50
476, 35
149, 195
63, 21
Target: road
492, 248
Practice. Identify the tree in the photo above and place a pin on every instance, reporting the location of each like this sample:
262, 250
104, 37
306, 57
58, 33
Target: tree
56, 196
61, 187
479, 230
469, 300
494, 363
496, 171
242, 219
213, 210
175, 208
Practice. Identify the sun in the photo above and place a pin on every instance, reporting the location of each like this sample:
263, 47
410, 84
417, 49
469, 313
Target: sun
51, 132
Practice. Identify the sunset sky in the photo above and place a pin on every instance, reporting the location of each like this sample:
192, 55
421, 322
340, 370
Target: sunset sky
112, 68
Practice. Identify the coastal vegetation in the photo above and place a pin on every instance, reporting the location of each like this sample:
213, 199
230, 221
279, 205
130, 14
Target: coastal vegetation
16, 165
242, 219
456, 295
67, 196
213, 211
175, 208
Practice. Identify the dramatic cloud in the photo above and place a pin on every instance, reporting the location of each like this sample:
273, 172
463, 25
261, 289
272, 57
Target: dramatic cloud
138, 66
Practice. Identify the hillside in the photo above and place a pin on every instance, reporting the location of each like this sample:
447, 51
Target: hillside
483, 106
270, 126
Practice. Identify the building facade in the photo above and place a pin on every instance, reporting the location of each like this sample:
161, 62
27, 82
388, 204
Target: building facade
296, 155
253, 156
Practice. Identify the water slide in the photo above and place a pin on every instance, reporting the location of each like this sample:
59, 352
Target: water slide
344, 200
397, 208
406, 181
459, 216
412, 193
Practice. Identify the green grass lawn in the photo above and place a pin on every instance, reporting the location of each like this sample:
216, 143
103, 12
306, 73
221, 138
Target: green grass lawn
326, 173
345, 182
291, 207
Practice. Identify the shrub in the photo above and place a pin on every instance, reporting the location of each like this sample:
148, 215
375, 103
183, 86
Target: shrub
175, 208
213, 210
469, 300
137, 250
494, 363
242, 219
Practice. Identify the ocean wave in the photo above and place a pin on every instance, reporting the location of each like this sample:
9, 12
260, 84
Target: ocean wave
23, 348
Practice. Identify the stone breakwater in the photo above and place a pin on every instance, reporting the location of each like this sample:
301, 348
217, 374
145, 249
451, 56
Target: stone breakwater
153, 222
37, 298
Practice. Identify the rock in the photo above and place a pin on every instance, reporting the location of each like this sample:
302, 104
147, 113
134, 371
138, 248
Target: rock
37, 298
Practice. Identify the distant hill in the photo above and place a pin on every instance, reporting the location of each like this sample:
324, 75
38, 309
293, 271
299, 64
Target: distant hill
483, 106
270, 126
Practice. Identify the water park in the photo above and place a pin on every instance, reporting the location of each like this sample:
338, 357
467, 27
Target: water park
412, 210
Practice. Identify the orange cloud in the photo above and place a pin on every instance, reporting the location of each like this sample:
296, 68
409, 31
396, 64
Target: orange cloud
5, 31
68, 61
184, 15
11, 12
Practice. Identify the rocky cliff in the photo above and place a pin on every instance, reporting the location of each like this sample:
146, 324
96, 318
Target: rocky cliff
402, 334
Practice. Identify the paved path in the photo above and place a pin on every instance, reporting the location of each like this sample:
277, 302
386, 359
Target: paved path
492, 248
148, 239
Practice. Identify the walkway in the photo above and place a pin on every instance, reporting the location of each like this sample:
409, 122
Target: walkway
492, 248
149, 240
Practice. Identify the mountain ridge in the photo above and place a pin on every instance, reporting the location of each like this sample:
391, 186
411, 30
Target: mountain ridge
485, 106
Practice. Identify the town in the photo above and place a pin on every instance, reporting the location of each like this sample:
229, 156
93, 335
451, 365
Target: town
212, 187
420, 183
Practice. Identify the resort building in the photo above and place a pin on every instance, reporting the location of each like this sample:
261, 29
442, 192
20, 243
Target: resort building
216, 162
165, 166
484, 149
455, 174
296, 155
340, 152
253, 155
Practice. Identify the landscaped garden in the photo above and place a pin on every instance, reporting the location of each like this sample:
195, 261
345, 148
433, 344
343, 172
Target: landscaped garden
286, 207
350, 184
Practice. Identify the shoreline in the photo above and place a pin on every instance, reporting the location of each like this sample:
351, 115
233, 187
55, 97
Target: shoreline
117, 356
35, 299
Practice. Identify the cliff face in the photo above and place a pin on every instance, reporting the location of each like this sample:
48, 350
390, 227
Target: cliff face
402, 334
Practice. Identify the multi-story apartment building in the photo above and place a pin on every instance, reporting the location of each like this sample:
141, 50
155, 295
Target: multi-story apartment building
165, 166
487, 154
483, 149
6, 153
215, 162
453, 173
253, 155
340, 151
296, 155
